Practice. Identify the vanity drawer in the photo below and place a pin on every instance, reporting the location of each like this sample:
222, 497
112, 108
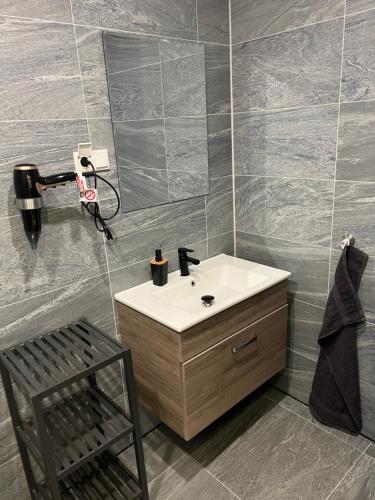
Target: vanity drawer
217, 379
219, 327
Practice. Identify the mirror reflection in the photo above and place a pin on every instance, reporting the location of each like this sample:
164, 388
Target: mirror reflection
157, 90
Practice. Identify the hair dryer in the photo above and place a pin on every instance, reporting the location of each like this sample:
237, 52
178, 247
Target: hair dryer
29, 186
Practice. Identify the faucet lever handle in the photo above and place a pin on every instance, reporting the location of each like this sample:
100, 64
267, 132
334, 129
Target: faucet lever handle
184, 250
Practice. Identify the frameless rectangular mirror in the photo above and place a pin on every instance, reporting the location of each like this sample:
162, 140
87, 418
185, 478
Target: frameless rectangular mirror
157, 91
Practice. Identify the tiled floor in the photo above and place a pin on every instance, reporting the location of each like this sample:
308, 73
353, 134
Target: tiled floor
268, 447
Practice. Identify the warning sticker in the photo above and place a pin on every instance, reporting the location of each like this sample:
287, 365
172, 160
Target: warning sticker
90, 196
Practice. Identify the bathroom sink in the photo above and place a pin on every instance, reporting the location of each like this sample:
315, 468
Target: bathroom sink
178, 304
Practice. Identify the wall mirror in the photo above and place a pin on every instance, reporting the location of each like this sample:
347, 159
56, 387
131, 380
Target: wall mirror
157, 91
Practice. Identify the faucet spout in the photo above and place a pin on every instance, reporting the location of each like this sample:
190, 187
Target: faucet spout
184, 260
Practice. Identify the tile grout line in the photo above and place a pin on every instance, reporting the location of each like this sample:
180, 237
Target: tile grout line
302, 243
116, 30
232, 128
222, 484
169, 466
320, 179
205, 208
314, 424
291, 29
347, 472
109, 118
196, 18
156, 64
337, 149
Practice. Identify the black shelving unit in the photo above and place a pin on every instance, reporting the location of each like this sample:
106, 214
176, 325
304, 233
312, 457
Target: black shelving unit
73, 425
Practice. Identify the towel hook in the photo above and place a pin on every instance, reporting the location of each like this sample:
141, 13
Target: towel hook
348, 241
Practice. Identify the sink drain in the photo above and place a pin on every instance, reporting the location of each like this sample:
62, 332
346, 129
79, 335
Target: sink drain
208, 300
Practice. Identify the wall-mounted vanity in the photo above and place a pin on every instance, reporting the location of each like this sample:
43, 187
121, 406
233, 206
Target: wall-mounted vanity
193, 363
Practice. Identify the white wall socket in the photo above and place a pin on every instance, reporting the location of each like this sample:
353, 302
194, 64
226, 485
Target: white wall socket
98, 157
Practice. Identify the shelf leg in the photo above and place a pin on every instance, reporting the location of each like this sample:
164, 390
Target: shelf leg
134, 415
16, 422
46, 449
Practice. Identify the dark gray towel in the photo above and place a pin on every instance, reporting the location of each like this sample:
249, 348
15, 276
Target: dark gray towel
335, 396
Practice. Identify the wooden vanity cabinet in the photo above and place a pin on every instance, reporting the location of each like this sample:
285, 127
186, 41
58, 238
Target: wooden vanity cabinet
190, 379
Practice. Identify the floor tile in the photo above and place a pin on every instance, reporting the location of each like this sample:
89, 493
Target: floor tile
359, 484
162, 448
284, 457
187, 480
371, 450
359, 442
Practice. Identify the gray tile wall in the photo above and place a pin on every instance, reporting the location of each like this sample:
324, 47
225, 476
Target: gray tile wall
54, 95
304, 156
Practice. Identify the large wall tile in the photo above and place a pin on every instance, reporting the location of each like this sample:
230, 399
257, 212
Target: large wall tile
220, 206
129, 276
305, 323
143, 187
70, 249
221, 244
186, 144
136, 94
262, 17
359, 5
213, 20
219, 145
171, 48
40, 73
184, 89
89, 298
176, 18
354, 209
297, 377
295, 209
93, 72
218, 79
356, 155
183, 185
140, 143
308, 264
358, 81
297, 68
290, 143
50, 145
123, 51
168, 227
53, 10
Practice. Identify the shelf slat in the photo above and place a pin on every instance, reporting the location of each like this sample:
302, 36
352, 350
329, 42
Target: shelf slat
80, 427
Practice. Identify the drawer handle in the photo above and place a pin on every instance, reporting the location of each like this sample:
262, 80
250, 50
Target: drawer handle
243, 346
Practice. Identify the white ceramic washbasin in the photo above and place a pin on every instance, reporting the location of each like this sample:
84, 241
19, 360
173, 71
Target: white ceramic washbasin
178, 304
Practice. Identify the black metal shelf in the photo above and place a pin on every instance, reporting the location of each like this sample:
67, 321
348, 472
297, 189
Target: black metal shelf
73, 425
104, 478
46, 364
79, 427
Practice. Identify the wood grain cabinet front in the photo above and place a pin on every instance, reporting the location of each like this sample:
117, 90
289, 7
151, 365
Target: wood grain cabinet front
190, 379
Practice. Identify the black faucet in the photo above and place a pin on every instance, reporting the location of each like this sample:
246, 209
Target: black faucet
185, 259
